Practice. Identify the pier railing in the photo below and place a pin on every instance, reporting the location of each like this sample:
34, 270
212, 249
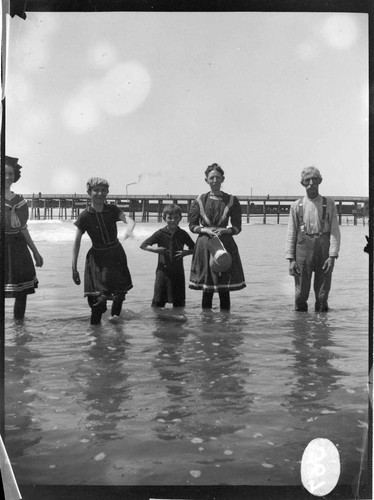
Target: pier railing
149, 207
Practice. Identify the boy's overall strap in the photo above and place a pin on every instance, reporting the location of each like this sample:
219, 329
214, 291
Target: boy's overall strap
300, 212
324, 210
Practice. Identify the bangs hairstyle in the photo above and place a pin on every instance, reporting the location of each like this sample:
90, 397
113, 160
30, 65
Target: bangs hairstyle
171, 209
96, 181
212, 167
13, 162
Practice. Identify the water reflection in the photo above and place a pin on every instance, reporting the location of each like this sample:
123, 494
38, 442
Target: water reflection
20, 394
170, 363
205, 377
221, 369
315, 376
103, 380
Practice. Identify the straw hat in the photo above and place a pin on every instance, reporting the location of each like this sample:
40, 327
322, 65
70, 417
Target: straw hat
220, 260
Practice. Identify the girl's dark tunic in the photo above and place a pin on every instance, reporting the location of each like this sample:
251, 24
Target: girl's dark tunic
214, 213
106, 273
20, 276
170, 281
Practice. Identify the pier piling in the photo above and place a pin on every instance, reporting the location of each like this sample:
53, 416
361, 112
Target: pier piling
145, 208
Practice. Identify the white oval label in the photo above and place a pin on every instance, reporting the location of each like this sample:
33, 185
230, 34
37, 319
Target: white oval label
320, 467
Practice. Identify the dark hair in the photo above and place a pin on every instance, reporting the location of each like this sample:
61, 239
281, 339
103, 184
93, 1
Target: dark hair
17, 172
214, 166
13, 162
171, 209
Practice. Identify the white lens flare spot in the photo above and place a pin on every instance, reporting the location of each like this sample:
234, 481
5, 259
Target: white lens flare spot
102, 55
81, 114
340, 31
124, 88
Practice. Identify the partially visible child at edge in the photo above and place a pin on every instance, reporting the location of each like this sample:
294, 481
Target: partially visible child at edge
366, 213
20, 276
170, 281
106, 275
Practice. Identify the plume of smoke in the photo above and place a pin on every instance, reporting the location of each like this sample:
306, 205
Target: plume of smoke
150, 174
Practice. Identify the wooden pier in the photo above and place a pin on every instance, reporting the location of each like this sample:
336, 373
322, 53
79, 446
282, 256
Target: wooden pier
149, 207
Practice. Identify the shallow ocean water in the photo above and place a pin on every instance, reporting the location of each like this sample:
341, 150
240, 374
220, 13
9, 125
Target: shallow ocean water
186, 397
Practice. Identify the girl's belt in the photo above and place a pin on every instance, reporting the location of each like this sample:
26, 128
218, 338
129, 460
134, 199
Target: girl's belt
105, 246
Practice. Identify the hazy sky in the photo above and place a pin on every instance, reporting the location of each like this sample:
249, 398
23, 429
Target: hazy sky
149, 100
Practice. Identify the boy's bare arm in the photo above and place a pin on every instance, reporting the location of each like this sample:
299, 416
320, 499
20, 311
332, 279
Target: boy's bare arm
150, 248
76, 248
183, 253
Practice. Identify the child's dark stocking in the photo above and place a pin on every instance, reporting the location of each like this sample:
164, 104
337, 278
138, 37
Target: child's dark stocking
96, 316
117, 306
207, 300
98, 308
224, 300
20, 306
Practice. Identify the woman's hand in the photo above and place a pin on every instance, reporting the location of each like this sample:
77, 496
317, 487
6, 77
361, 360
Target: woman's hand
222, 230
130, 224
210, 232
76, 277
38, 259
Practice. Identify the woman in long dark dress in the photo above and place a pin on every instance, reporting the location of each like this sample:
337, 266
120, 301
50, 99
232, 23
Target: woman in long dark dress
106, 275
20, 276
209, 217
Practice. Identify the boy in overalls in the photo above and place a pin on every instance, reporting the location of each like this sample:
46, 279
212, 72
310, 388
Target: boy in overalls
313, 242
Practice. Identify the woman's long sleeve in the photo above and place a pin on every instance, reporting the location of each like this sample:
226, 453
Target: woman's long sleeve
194, 216
236, 216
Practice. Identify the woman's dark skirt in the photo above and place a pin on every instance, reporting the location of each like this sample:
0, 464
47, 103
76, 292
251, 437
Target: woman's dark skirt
202, 277
106, 273
20, 276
